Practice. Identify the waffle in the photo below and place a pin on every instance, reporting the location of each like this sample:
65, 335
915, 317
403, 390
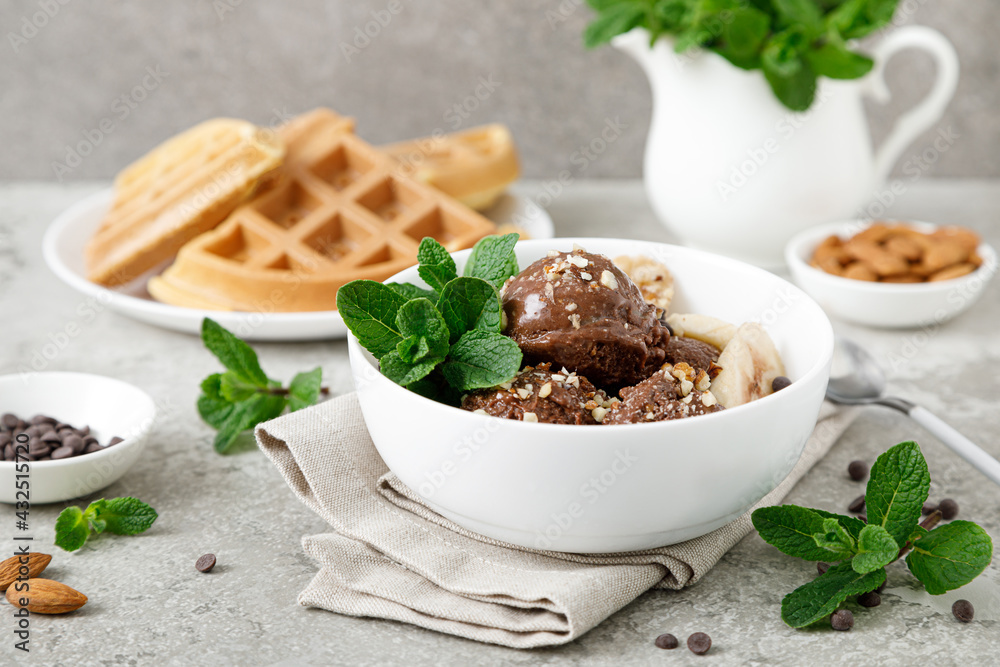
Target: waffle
185, 186
341, 211
474, 166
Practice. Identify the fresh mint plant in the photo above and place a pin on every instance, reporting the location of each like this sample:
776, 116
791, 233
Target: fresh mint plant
243, 396
442, 341
792, 41
120, 516
943, 559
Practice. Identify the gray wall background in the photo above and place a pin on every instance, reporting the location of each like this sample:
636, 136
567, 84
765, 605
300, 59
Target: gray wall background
65, 81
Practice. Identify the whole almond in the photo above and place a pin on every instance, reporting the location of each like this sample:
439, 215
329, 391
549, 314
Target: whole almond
45, 596
10, 569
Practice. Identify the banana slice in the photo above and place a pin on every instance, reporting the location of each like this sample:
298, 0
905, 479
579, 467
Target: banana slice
750, 362
704, 328
652, 278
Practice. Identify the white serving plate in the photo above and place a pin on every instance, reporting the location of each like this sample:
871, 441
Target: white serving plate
656, 483
66, 237
885, 305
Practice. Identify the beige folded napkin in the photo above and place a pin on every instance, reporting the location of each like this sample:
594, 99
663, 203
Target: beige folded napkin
389, 556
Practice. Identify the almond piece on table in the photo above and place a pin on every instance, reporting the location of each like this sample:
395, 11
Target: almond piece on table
45, 596
10, 569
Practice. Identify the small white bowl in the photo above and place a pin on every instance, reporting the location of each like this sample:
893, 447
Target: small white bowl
596, 489
110, 407
887, 305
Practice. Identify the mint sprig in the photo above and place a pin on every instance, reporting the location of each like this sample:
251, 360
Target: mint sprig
943, 559
243, 396
442, 341
120, 516
793, 42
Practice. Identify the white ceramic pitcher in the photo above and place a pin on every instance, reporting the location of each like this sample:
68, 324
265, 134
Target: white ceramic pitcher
731, 170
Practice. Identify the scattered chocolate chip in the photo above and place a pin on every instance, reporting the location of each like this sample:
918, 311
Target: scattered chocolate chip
949, 509
779, 383
858, 470
115, 440
822, 567
666, 641
931, 520
207, 562
881, 587
857, 505
963, 611
699, 643
863, 517
928, 508
870, 599
63, 452
842, 620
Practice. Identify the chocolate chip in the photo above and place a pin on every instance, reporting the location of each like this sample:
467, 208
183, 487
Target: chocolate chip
928, 508
699, 643
205, 563
63, 452
5, 438
822, 567
83, 432
881, 587
39, 419
9, 421
842, 620
38, 448
667, 641
33, 431
858, 470
863, 517
51, 436
779, 383
74, 442
63, 426
8, 452
115, 440
949, 509
870, 599
92, 447
963, 611
90, 440
857, 505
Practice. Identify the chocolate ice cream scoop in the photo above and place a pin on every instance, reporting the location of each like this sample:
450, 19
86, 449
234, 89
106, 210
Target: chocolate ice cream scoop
578, 310
537, 394
659, 398
694, 352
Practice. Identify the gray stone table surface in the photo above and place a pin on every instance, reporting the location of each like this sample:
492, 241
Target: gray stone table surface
149, 606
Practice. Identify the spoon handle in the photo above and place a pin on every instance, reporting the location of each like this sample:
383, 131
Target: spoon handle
958, 443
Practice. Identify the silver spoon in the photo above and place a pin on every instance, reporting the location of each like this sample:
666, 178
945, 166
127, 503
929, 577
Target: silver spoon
864, 386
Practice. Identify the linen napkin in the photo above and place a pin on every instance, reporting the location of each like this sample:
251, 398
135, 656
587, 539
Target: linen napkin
389, 556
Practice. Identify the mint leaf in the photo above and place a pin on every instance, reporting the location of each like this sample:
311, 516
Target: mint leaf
245, 415
833, 59
876, 549
493, 259
821, 596
404, 373
743, 37
408, 291
897, 489
437, 268
125, 516
72, 529
950, 556
470, 303
798, 13
481, 359
233, 389
212, 406
790, 529
419, 317
369, 311
234, 354
304, 389
834, 538
852, 525
92, 515
614, 20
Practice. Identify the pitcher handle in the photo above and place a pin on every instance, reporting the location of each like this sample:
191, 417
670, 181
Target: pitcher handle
921, 117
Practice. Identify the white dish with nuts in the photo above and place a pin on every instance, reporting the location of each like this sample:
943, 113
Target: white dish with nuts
596, 488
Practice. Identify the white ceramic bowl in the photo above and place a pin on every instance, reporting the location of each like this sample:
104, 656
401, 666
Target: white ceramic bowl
110, 407
884, 304
593, 489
